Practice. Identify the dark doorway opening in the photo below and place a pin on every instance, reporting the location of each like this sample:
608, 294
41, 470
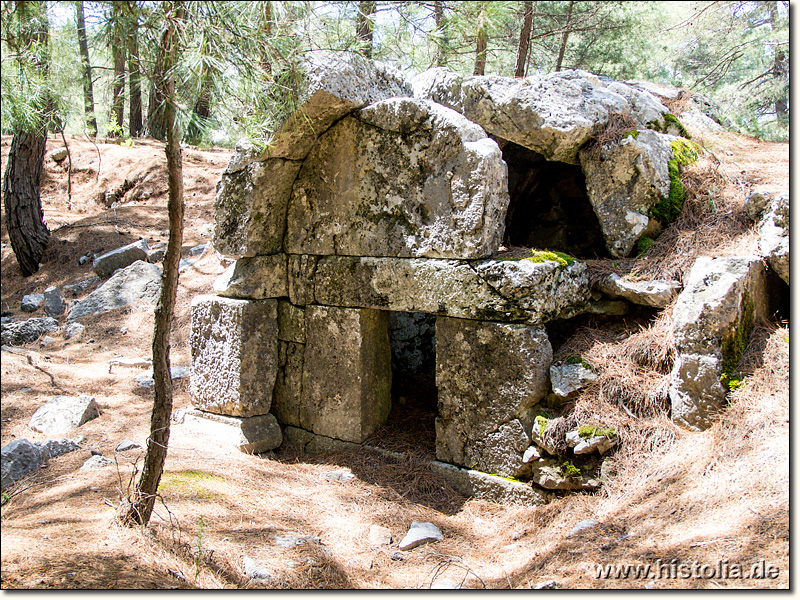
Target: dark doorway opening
549, 208
411, 422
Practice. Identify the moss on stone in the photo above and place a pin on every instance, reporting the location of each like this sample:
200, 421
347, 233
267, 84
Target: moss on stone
569, 470
670, 119
589, 431
578, 360
734, 345
541, 423
634, 133
668, 209
643, 244
561, 258
685, 153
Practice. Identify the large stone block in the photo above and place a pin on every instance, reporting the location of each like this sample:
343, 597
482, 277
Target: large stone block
234, 347
553, 114
711, 325
501, 290
490, 377
347, 372
139, 281
255, 278
288, 393
402, 177
774, 231
106, 264
64, 413
624, 181
254, 192
251, 208
252, 435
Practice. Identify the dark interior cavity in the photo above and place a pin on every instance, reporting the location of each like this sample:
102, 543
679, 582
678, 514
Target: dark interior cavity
411, 423
549, 207
779, 299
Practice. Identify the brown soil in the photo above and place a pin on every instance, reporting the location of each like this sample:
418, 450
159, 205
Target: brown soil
721, 495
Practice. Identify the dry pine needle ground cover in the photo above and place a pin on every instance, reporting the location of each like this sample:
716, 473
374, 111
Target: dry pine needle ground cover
721, 495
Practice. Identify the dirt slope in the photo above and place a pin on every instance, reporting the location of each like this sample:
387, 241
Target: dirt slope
718, 498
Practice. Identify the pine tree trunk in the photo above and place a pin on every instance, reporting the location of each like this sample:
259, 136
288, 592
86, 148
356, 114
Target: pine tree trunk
156, 126
134, 83
88, 93
144, 497
21, 199
563, 47
266, 63
201, 112
480, 52
365, 26
22, 202
118, 55
442, 41
524, 40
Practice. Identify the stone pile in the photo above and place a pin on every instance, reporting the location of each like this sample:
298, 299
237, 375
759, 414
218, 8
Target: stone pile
381, 197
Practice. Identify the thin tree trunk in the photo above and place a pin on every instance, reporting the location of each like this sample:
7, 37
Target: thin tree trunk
143, 500
201, 111
266, 63
779, 67
156, 127
134, 81
118, 55
524, 40
365, 26
480, 51
442, 40
88, 93
564, 37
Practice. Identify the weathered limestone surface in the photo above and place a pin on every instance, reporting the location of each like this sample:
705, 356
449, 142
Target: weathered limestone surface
251, 207
548, 474
106, 264
336, 84
453, 288
544, 289
774, 230
402, 177
711, 325
475, 484
288, 393
27, 331
254, 193
139, 281
250, 434
302, 270
553, 114
234, 347
568, 378
64, 413
291, 322
347, 372
255, 278
489, 375
657, 294
623, 182
312, 443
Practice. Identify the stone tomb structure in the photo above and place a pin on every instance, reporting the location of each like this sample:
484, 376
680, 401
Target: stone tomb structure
380, 206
